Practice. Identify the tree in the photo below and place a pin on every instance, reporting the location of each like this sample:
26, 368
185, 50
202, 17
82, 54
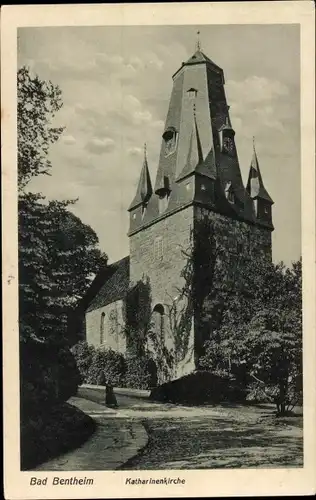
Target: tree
259, 339
58, 257
58, 254
37, 104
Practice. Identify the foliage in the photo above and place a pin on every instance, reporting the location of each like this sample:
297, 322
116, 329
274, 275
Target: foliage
68, 374
83, 353
48, 375
58, 254
198, 388
137, 316
141, 372
259, 337
107, 367
37, 104
57, 258
247, 311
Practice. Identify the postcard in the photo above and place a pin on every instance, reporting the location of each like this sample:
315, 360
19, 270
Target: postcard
158, 250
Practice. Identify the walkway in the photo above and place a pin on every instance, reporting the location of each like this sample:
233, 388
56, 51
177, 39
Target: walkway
180, 437
114, 442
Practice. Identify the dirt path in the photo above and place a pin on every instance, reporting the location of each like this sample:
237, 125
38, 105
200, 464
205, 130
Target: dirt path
236, 439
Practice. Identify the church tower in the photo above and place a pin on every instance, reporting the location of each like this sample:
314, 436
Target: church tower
198, 177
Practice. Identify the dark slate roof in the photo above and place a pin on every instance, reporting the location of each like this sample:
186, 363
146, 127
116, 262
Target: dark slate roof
115, 286
199, 57
255, 186
144, 188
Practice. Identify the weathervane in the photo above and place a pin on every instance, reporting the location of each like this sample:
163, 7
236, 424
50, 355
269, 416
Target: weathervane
198, 43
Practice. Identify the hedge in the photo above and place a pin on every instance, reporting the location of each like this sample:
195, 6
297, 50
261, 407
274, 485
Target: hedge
141, 372
101, 366
107, 367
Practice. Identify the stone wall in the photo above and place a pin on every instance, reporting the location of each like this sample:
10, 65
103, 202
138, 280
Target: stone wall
248, 237
157, 256
234, 244
106, 324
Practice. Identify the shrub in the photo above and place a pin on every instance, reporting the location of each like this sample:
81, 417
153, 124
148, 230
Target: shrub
83, 353
115, 368
198, 388
48, 373
141, 372
107, 367
69, 377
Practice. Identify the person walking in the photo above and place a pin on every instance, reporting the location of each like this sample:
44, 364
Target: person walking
110, 399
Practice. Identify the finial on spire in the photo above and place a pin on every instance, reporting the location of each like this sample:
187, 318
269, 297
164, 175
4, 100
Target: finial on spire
253, 143
198, 42
145, 150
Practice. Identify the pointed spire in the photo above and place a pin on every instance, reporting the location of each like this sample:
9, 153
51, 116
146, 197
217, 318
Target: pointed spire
144, 188
255, 186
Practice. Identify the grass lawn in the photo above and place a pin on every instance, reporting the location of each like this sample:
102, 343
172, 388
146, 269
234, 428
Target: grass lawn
236, 437
46, 434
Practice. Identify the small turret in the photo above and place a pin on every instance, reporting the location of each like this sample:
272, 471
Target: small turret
144, 188
260, 196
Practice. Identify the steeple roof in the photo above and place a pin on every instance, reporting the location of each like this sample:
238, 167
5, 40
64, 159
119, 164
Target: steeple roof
199, 56
195, 154
144, 188
198, 141
255, 186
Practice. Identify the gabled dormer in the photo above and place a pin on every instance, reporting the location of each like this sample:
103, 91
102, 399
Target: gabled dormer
226, 138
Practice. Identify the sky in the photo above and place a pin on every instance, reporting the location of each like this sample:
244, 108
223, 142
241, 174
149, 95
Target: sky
116, 84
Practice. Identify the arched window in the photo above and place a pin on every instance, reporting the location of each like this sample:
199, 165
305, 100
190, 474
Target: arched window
158, 319
102, 328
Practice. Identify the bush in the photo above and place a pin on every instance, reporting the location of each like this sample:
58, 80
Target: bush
69, 377
198, 388
141, 372
83, 353
107, 367
48, 374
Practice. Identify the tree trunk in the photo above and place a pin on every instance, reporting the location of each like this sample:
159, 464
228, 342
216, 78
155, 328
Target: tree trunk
282, 396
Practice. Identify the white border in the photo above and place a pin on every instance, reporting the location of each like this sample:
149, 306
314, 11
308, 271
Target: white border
248, 482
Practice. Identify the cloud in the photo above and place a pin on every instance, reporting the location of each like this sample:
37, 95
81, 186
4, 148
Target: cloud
116, 86
100, 146
136, 62
109, 59
135, 151
142, 117
158, 124
152, 60
255, 89
69, 140
257, 104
